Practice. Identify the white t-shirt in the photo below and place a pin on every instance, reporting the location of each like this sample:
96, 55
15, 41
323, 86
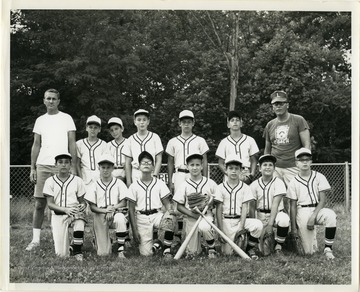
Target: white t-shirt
53, 130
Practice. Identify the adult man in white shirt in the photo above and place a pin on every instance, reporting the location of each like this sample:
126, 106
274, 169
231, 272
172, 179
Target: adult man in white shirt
54, 132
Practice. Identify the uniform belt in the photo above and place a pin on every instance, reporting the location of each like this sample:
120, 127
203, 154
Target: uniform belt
232, 216
310, 205
182, 170
264, 211
118, 167
148, 212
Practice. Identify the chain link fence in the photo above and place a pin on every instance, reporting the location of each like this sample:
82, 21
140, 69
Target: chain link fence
21, 189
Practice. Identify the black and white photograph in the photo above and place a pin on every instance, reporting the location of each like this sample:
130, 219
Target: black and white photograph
170, 146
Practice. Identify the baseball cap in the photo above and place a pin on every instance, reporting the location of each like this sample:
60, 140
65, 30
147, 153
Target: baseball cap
106, 158
233, 158
63, 155
116, 121
195, 155
302, 151
267, 157
233, 114
147, 155
186, 114
278, 95
93, 120
141, 112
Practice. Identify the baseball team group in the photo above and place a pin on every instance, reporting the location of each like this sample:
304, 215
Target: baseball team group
117, 184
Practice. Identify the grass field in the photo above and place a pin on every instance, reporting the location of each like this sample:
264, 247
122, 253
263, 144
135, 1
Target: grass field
42, 266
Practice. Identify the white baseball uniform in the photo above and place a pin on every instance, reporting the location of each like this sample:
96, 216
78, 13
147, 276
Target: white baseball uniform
89, 155
151, 143
233, 199
306, 193
205, 186
179, 148
264, 195
116, 150
148, 204
65, 194
102, 196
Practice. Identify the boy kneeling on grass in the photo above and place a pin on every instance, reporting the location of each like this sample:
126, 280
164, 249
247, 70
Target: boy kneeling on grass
307, 194
231, 209
108, 203
64, 193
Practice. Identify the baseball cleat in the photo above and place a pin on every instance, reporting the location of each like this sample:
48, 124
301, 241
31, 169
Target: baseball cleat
278, 250
167, 255
79, 257
328, 253
212, 254
32, 245
253, 254
121, 255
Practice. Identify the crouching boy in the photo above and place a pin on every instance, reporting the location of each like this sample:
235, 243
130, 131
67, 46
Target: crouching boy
108, 203
307, 194
64, 193
147, 196
232, 207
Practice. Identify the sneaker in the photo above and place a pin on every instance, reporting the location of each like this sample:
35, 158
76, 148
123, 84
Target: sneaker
328, 253
121, 255
167, 256
252, 254
278, 250
79, 257
156, 247
32, 245
212, 254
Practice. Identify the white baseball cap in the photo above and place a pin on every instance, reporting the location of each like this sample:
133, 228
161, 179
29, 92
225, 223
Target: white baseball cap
141, 112
115, 120
93, 120
302, 151
233, 158
106, 158
186, 114
63, 155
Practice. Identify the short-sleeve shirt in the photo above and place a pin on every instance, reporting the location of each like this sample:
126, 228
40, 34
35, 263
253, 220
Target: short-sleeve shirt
103, 195
65, 193
285, 139
53, 130
233, 198
151, 143
116, 151
245, 147
89, 156
205, 186
148, 197
306, 192
180, 148
265, 193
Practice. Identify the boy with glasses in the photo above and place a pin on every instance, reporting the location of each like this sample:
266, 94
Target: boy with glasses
307, 193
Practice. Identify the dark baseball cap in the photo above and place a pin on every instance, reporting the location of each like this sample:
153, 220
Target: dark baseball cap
267, 157
147, 155
278, 95
194, 156
233, 114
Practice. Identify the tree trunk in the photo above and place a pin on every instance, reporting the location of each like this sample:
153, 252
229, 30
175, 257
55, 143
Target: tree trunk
233, 61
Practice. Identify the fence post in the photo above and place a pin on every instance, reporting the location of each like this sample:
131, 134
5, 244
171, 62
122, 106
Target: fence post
347, 186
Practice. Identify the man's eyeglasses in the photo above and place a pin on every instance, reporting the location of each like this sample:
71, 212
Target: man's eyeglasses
146, 163
279, 103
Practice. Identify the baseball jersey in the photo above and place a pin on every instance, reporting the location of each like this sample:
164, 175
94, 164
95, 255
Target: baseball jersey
65, 193
264, 193
244, 147
103, 195
180, 148
89, 155
285, 139
151, 143
53, 130
116, 151
233, 198
306, 192
204, 186
148, 197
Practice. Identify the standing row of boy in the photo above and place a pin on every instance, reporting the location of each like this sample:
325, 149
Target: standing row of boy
137, 161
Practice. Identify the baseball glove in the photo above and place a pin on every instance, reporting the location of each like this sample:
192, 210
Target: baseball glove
241, 239
295, 244
197, 200
71, 218
168, 223
268, 243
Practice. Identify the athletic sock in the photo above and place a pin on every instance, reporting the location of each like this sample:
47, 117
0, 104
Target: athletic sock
168, 238
211, 243
36, 235
329, 236
120, 238
252, 242
78, 241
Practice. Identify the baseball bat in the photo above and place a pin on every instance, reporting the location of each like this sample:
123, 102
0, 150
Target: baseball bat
186, 241
235, 247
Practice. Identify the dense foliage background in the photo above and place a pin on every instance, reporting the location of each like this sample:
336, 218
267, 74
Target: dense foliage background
110, 63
